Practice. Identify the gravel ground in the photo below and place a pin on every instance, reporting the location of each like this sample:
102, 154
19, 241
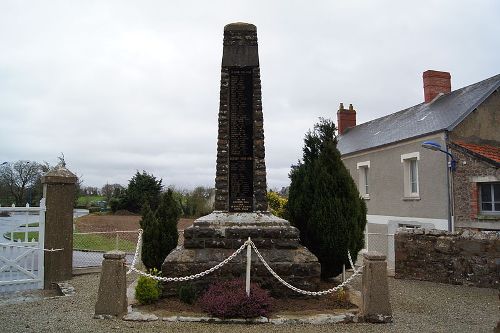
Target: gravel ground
417, 306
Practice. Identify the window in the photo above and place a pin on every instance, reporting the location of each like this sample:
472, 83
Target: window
490, 198
364, 185
413, 177
410, 166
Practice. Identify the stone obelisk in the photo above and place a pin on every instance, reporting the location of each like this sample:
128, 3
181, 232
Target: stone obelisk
240, 185
240, 182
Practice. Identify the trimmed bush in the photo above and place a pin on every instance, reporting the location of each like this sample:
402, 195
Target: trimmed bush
147, 290
228, 299
187, 293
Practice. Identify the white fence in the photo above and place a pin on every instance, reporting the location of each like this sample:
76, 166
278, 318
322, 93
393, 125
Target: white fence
378, 239
22, 233
88, 247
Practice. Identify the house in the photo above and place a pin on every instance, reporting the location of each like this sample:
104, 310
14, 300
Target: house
405, 184
476, 185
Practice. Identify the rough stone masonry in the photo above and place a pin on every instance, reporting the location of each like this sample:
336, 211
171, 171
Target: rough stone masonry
240, 184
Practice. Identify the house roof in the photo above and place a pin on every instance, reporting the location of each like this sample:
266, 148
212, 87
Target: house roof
444, 113
488, 152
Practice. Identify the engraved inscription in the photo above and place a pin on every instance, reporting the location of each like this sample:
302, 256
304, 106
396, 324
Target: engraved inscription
240, 140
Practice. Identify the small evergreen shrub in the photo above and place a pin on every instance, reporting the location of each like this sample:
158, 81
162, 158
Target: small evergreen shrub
147, 290
277, 204
114, 204
94, 210
228, 299
187, 293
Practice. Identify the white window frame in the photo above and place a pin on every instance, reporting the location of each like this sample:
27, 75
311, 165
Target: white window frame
364, 174
493, 199
407, 159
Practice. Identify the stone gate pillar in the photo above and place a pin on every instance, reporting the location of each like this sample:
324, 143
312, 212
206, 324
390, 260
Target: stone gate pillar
376, 305
59, 186
112, 295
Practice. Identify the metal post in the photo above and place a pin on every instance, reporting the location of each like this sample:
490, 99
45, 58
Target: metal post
249, 259
343, 273
116, 240
366, 237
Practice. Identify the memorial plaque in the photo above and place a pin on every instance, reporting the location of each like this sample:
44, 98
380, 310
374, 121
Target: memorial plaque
240, 140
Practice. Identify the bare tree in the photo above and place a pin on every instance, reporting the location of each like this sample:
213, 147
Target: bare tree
111, 190
20, 178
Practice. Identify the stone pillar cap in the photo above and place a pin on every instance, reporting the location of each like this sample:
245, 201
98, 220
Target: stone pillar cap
60, 174
114, 255
374, 255
242, 26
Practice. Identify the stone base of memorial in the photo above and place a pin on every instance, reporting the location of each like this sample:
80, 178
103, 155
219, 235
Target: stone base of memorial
214, 237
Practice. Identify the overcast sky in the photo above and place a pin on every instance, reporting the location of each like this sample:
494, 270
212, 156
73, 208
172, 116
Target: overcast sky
120, 86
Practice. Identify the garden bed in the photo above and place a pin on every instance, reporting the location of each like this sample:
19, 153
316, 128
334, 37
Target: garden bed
331, 304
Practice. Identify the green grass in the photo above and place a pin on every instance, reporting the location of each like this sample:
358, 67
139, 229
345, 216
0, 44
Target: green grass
85, 200
87, 242
20, 235
98, 242
36, 225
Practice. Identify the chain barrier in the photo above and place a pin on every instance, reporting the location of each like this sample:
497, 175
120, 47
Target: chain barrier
249, 242
136, 254
301, 291
180, 278
351, 263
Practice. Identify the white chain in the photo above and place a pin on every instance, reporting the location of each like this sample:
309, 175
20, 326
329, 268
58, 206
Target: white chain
231, 257
305, 292
352, 264
136, 254
181, 278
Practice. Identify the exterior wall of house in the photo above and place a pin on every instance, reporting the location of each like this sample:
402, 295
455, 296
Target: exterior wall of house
482, 123
386, 202
470, 173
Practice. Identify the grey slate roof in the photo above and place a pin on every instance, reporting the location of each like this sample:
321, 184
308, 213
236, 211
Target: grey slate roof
444, 113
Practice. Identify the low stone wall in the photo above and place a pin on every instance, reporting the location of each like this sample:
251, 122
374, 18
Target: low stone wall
463, 257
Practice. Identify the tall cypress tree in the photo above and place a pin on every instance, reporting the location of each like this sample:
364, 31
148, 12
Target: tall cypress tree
150, 238
324, 203
168, 214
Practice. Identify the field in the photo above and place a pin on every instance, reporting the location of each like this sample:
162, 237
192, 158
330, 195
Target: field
108, 223
109, 232
87, 199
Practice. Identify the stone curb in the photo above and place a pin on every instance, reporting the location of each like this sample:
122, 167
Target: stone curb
66, 289
319, 319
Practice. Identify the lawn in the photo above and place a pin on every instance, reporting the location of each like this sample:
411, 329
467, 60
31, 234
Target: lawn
85, 200
99, 242
86, 242
20, 235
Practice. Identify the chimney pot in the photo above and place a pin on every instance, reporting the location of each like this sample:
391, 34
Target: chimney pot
345, 118
435, 83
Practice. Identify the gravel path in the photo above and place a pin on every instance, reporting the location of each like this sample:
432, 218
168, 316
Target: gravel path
418, 307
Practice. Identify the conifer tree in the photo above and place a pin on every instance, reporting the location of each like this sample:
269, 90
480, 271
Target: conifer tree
324, 203
150, 238
168, 214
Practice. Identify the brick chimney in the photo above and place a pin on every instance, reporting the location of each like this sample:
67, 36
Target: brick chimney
346, 118
435, 83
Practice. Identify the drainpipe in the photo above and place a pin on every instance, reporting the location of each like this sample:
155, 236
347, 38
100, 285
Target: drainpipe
449, 182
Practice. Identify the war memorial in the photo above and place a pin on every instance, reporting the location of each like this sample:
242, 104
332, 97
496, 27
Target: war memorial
241, 209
